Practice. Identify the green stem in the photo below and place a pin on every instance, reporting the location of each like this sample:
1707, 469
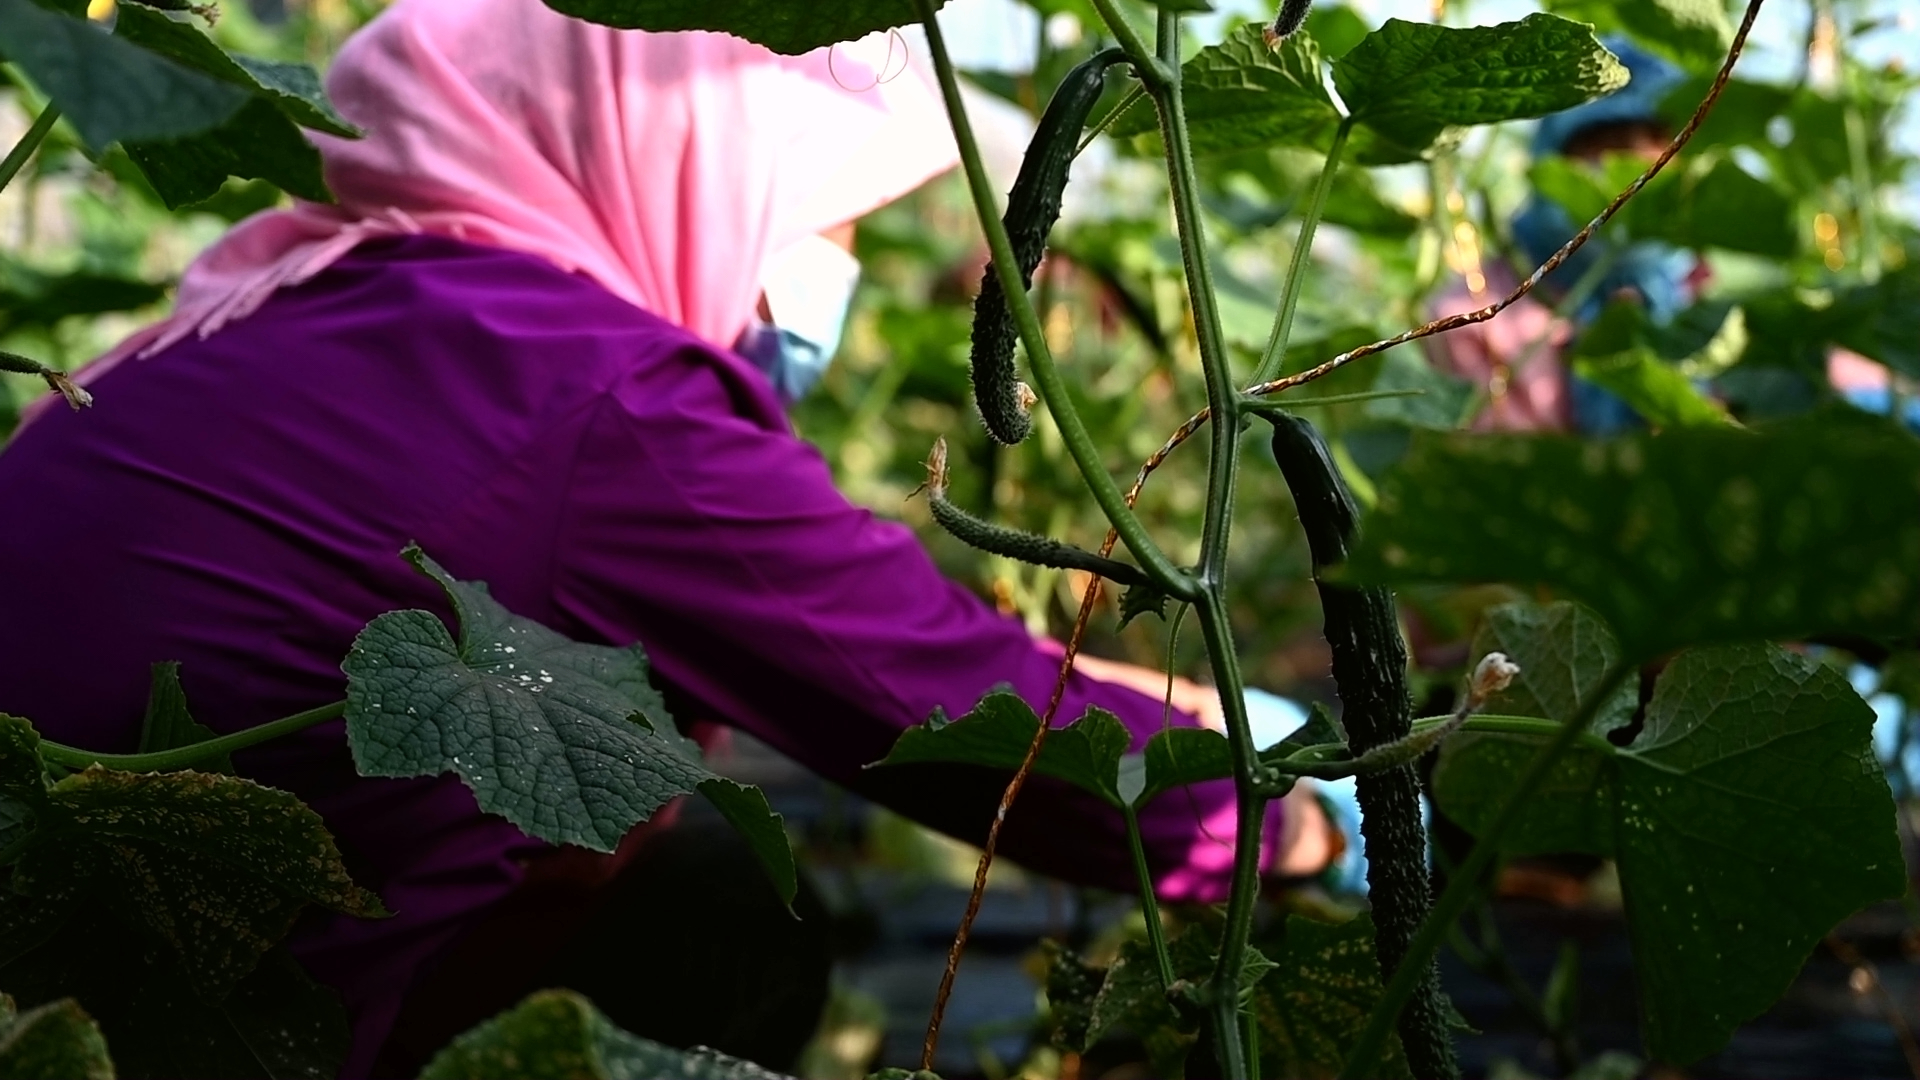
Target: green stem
1464, 884
17, 157
1149, 903
1133, 94
1250, 806
182, 756
1863, 194
1250, 803
1275, 357
1222, 399
1170, 578
1147, 66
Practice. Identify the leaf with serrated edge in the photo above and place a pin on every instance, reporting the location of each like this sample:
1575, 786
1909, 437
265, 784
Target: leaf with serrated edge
1324, 984
215, 868
1748, 818
1694, 535
1243, 95
1412, 81
559, 1035
107, 88
785, 26
1177, 757
1563, 651
997, 732
293, 89
568, 741
1696, 30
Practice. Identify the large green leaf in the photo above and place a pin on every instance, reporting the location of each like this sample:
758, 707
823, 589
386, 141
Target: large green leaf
1563, 651
785, 26
1324, 984
56, 1041
559, 1035
1177, 757
1694, 535
212, 868
259, 142
1243, 95
108, 89
293, 89
1748, 818
567, 741
1410, 82
997, 732
1696, 30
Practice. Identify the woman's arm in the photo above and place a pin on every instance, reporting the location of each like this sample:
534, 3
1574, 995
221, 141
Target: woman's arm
699, 524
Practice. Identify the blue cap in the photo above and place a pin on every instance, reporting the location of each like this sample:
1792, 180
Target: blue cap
1652, 79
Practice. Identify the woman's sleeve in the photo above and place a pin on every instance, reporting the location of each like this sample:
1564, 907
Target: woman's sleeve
700, 526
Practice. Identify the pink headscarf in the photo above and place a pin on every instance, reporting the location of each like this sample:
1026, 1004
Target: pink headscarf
666, 167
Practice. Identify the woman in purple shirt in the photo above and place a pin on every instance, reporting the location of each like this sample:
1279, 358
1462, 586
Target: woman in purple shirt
513, 342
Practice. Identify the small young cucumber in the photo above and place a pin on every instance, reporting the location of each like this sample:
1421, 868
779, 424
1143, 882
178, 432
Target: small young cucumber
1025, 547
1032, 207
1370, 671
1293, 15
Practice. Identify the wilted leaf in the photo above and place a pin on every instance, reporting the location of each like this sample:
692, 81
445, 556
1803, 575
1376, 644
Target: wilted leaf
1748, 818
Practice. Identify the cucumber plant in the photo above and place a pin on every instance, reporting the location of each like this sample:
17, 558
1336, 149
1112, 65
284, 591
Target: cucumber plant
1686, 555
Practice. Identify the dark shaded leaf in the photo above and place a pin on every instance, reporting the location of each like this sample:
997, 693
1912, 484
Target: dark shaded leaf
259, 142
292, 89
1563, 651
1323, 985
107, 88
1753, 778
168, 725
559, 1035
997, 732
1694, 535
213, 868
785, 26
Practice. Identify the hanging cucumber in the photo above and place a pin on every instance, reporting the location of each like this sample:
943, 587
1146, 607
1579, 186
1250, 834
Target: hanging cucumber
1370, 670
1032, 207
1024, 547
1293, 15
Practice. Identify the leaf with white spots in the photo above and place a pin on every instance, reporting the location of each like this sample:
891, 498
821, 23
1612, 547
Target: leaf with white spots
1748, 818
568, 741
1324, 984
1691, 536
213, 869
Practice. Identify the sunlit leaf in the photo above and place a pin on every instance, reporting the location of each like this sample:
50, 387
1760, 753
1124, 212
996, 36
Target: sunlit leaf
1696, 30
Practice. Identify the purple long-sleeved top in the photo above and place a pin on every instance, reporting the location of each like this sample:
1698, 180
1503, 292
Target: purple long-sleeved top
238, 504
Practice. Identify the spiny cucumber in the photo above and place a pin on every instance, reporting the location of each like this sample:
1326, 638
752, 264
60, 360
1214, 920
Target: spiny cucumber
1014, 544
1032, 207
1370, 670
